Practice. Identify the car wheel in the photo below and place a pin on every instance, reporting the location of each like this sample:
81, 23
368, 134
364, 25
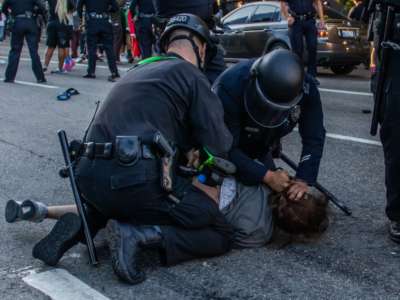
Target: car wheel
275, 46
342, 70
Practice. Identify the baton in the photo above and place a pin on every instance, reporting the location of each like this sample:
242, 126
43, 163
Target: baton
81, 210
323, 190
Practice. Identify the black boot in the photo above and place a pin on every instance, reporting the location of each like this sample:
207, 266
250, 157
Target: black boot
125, 242
65, 234
394, 231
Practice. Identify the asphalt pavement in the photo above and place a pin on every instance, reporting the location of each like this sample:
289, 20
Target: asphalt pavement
353, 260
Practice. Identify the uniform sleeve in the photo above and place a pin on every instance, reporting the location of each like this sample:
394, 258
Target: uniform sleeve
113, 6
41, 6
207, 119
132, 7
249, 171
79, 7
312, 132
5, 7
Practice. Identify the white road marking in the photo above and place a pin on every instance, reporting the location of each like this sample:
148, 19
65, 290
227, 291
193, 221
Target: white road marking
76, 65
350, 138
345, 92
46, 86
353, 139
59, 284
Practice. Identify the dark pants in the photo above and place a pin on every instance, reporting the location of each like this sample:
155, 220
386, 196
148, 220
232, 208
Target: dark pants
76, 36
192, 228
144, 33
118, 39
390, 137
100, 32
82, 43
307, 30
24, 28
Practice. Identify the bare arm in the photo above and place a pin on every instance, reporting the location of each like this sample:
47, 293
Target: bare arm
320, 11
285, 13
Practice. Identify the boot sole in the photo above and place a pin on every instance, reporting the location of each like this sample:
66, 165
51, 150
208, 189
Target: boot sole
12, 211
61, 238
115, 242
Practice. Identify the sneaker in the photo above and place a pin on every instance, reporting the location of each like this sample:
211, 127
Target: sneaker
13, 212
394, 231
64, 235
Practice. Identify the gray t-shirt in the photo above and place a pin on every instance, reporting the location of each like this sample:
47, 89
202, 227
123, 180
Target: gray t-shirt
247, 210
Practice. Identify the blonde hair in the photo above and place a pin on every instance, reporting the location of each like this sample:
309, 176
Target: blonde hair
62, 11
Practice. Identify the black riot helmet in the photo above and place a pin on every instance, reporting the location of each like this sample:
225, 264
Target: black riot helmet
196, 27
275, 88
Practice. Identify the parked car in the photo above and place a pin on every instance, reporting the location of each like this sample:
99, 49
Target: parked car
259, 27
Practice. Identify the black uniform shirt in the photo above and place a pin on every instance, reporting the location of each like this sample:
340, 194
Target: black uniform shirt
171, 96
200, 8
19, 7
301, 6
52, 9
144, 6
97, 6
252, 142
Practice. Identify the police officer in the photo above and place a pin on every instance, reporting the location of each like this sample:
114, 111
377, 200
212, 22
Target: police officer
263, 100
24, 27
99, 30
119, 172
205, 10
389, 110
300, 15
144, 25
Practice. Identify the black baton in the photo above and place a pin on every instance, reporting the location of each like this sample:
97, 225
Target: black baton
81, 210
323, 190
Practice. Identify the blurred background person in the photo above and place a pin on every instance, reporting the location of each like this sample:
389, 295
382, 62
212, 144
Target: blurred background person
59, 31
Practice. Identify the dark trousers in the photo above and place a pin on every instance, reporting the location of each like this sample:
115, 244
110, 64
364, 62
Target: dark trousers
82, 43
144, 33
76, 37
307, 30
192, 228
24, 28
390, 137
100, 32
118, 39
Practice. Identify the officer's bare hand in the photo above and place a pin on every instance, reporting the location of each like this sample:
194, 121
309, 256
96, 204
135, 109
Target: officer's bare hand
193, 157
278, 180
290, 20
297, 190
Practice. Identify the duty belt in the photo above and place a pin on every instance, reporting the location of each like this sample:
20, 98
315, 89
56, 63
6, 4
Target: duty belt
27, 15
143, 15
94, 15
108, 151
303, 17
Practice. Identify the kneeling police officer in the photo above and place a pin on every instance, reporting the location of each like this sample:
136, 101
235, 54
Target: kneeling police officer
119, 173
264, 100
24, 27
205, 10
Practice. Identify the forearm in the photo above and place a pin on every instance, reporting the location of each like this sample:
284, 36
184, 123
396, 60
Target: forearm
320, 11
285, 9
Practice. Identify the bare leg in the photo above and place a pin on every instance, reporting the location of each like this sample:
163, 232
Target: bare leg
62, 54
56, 212
48, 56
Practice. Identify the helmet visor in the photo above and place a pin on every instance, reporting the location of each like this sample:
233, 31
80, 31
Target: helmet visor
266, 112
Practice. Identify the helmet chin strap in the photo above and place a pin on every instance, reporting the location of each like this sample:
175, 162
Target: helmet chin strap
196, 49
